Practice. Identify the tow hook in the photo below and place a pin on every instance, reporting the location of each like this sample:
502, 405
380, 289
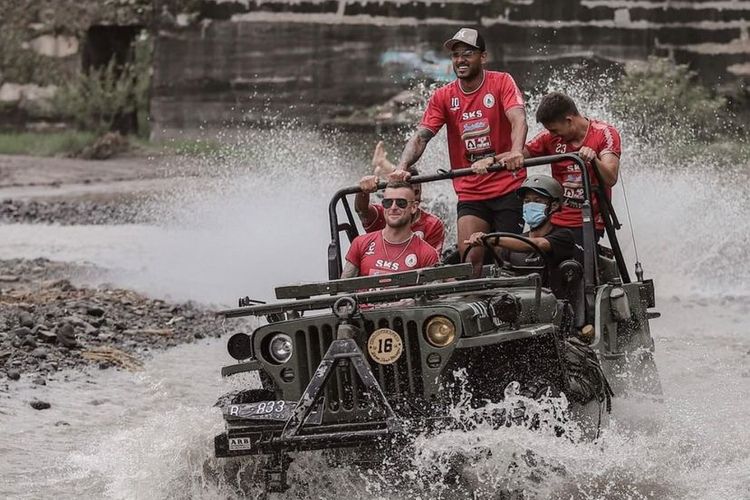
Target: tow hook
275, 472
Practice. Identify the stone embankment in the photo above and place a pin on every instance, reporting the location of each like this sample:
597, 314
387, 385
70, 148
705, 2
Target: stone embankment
47, 324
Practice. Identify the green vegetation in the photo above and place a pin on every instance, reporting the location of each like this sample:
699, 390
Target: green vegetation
94, 100
664, 100
65, 143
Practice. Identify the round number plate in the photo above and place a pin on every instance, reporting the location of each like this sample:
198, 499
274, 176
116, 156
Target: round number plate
385, 346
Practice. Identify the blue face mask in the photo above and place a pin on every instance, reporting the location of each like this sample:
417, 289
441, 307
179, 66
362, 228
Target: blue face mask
534, 214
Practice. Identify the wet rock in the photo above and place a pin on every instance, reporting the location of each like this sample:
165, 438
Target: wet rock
9, 278
40, 405
62, 284
39, 381
22, 332
95, 311
26, 320
46, 336
61, 423
13, 374
98, 322
29, 342
66, 335
40, 352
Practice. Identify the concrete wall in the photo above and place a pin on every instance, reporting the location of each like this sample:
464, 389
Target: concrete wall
265, 59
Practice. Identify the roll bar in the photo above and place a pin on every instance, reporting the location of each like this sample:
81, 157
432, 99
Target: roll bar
590, 264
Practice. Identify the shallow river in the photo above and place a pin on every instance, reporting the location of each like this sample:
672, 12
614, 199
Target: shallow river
149, 434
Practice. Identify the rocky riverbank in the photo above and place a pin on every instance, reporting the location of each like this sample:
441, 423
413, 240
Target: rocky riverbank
68, 212
48, 324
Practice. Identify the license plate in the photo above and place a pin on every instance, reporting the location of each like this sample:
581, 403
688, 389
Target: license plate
270, 410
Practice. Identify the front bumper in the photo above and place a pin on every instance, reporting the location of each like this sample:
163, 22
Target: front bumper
259, 437
270, 439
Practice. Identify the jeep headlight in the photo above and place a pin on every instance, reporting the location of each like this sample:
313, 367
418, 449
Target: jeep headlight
440, 331
280, 348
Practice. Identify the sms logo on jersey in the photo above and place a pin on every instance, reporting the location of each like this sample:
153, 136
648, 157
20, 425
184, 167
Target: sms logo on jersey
386, 264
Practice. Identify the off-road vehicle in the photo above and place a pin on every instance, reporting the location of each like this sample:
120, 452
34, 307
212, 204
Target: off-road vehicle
364, 361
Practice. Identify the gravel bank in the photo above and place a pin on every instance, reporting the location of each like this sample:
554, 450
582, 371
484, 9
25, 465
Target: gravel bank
47, 324
70, 212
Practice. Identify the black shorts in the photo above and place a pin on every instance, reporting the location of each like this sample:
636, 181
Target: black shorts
503, 214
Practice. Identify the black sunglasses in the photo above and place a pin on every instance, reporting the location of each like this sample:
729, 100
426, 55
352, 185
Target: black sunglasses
400, 202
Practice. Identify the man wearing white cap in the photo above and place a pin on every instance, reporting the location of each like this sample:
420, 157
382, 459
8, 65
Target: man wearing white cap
486, 123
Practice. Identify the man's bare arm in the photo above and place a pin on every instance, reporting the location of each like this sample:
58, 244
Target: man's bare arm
414, 148
350, 271
519, 128
609, 167
367, 213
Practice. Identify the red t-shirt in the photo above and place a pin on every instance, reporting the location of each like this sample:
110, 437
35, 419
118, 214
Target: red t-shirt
477, 128
373, 255
427, 226
602, 138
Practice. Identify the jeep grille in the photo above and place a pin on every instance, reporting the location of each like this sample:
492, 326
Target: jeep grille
344, 390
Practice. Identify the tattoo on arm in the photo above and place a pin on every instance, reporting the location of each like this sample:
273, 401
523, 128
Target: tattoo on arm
350, 271
415, 147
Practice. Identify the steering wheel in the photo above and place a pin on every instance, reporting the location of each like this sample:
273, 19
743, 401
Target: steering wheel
487, 238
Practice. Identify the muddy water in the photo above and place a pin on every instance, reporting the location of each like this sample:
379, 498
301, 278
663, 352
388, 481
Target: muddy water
149, 434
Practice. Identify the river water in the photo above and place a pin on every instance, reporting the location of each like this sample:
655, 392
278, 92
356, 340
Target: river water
261, 221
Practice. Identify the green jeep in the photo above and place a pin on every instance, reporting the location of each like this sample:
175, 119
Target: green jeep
363, 362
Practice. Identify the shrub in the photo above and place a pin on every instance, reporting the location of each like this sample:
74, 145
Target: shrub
94, 100
663, 99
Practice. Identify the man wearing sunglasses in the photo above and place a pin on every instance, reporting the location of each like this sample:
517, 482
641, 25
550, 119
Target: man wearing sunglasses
395, 248
424, 224
484, 116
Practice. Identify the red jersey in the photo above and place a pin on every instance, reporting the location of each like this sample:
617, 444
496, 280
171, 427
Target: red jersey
477, 128
426, 226
602, 138
372, 254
